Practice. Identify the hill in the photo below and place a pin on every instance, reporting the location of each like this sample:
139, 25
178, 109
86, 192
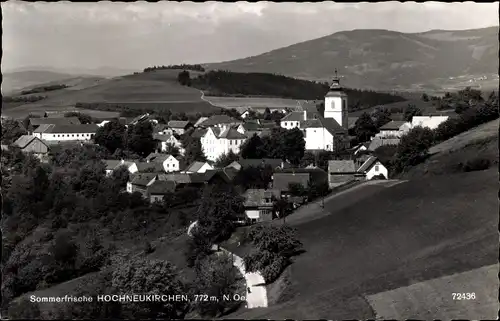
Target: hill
384, 60
375, 241
153, 90
16, 81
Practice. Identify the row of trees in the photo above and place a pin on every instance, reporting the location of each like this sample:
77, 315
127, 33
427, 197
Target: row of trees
195, 67
43, 89
22, 99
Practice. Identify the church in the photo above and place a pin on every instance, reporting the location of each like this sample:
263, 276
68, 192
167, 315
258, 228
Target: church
327, 131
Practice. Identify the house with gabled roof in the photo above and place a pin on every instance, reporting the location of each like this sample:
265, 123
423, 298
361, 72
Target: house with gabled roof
113, 164
260, 162
197, 167
32, 144
341, 172
139, 182
179, 127
156, 191
371, 168
393, 129
199, 121
168, 162
324, 134
220, 121
220, 140
166, 140
377, 142
282, 181
34, 122
259, 204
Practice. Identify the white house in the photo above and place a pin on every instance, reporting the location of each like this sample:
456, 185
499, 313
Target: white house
220, 140
293, 119
198, 167
52, 132
168, 139
323, 134
431, 122
394, 129
112, 165
373, 167
168, 162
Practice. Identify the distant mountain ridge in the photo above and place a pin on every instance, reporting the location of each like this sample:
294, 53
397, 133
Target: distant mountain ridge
382, 59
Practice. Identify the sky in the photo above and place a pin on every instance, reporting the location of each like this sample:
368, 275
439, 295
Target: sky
139, 34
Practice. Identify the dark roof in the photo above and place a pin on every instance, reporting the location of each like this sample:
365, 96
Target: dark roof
368, 164
393, 125
67, 129
25, 140
143, 166
341, 166
163, 137
274, 162
256, 197
184, 178
179, 123
219, 119
316, 173
282, 180
252, 126
377, 142
200, 120
157, 157
55, 121
195, 167
330, 124
161, 187
232, 133
142, 179
294, 116
199, 133
227, 174
112, 164
159, 128
351, 122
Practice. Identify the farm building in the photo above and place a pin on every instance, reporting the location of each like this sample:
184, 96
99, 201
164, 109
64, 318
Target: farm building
377, 142
139, 182
32, 144
340, 172
394, 129
51, 132
262, 162
179, 127
168, 162
156, 191
198, 167
282, 181
112, 165
259, 204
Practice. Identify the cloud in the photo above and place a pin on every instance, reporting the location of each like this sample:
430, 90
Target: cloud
139, 34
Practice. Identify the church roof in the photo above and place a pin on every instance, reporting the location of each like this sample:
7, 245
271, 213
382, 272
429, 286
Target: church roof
330, 124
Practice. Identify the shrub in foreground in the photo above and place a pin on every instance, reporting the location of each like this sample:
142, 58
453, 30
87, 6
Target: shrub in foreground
476, 164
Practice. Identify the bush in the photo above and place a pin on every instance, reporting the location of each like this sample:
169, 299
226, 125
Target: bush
476, 164
273, 270
378, 177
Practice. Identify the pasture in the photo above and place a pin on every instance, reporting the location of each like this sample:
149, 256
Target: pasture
376, 241
153, 90
427, 108
433, 299
236, 102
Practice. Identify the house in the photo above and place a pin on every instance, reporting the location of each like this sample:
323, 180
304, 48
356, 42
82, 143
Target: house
168, 162
220, 121
340, 172
139, 182
262, 110
32, 144
293, 119
166, 140
160, 129
377, 142
282, 181
112, 165
198, 133
316, 175
431, 122
245, 163
324, 134
394, 129
145, 167
185, 179
156, 191
360, 148
58, 133
139, 119
259, 204
373, 167
220, 140
199, 121
179, 127
34, 123
198, 167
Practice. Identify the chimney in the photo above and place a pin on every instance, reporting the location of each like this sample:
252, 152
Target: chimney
305, 114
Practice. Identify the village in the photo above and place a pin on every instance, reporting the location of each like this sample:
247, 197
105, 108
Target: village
161, 173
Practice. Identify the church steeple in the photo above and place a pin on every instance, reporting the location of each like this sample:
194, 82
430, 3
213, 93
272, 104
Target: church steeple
335, 86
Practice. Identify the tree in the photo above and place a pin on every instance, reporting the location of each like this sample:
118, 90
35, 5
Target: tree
267, 114
139, 138
254, 177
184, 78
425, 97
172, 150
226, 159
296, 189
141, 275
11, 131
364, 128
381, 117
216, 276
411, 111
413, 147
193, 151
83, 118
294, 146
111, 136
252, 148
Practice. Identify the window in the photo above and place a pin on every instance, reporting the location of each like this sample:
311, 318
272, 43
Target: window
77, 135
344, 105
376, 168
72, 135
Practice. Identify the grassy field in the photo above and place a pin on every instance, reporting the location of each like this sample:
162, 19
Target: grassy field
433, 299
480, 142
426, 107
375, 241
235, 102
155, 90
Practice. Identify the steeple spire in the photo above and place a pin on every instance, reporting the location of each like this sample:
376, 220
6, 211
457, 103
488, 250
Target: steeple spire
336, 82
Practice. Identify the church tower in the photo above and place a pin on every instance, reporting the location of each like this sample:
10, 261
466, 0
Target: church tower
336, 103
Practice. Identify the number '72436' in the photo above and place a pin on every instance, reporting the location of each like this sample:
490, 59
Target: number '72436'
464, 296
